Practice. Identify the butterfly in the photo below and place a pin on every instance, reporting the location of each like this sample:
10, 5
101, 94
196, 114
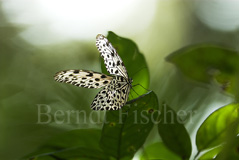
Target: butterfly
116, 87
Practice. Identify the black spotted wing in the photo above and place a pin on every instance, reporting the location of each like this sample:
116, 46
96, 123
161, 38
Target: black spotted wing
83, 78
112, 60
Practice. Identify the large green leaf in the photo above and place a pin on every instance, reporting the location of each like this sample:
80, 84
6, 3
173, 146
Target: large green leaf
214, 129
82, 144
158, 151
125, 130
134, 62
173, 133
204, 62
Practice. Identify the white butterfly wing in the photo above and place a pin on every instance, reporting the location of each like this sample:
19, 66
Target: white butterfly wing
83, 78
112, 60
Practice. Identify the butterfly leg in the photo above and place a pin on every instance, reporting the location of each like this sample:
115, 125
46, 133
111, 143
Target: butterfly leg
135, 92
140, 85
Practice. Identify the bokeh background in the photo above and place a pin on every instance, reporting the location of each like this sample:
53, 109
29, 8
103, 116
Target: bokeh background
41, 37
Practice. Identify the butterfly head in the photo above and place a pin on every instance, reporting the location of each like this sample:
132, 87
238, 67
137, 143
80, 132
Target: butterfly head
100, 36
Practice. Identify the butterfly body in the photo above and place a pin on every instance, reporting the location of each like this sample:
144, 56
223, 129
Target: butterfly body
113, 96
116, 87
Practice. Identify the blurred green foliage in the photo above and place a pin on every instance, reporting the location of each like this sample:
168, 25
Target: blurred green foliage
72, 145
213, 65
205, 63
26, 80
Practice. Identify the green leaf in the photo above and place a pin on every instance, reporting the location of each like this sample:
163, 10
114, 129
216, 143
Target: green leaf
213, 130
158, 151
211, 154
134, 62
77, 144
126, 130
173, 133
230, 150
204, 62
